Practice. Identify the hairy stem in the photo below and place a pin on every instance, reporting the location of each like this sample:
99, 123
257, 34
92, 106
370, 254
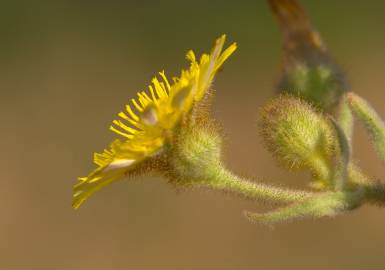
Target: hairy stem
374, 190
356, 176
343, 158
224, 180
345, 119
372, 121
375, 193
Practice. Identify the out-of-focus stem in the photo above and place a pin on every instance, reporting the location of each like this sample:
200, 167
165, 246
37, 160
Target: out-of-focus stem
345, 119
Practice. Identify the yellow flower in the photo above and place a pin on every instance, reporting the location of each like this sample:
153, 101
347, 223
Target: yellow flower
147, 124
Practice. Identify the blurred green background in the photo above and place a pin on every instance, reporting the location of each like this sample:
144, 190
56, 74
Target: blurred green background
67, 68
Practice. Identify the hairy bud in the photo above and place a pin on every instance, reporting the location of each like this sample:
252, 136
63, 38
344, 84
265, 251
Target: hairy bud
297, 135
196, 154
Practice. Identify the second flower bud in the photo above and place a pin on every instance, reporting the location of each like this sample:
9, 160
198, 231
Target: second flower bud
298, 135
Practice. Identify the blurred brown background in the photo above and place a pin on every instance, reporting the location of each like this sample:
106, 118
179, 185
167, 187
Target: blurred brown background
67, 68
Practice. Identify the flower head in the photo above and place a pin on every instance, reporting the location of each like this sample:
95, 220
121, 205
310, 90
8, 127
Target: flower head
150, 122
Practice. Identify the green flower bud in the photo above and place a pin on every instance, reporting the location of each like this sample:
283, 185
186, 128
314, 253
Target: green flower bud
196, 155
298, 135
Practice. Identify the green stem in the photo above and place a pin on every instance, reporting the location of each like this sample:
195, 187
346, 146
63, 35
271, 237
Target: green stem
373, 123
356, 176
343, 157
345, 119
374, 191
224, 180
